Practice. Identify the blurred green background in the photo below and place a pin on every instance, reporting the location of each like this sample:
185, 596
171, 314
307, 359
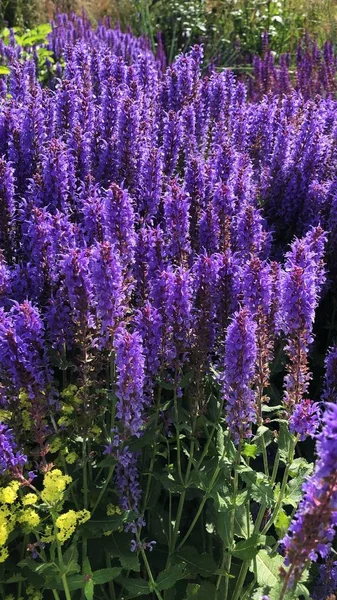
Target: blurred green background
228, 28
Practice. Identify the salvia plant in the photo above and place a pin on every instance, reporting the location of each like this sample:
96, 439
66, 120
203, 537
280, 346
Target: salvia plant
168, 370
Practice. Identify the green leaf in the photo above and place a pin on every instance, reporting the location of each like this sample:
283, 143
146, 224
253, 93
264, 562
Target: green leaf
285, 441
261, 490
135, 587
268, 568
248, 549
101, 523
118, 546
105, 575
169, 482
4, 70
70, 568
250, 450
86, 569
166, 579
282, 523
70, 554
196, 591
220, 446
108, 461
16, 578
89, 590
202, 564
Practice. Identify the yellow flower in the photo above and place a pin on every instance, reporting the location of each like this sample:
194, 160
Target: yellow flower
30, 518
55, 445
7, 523
48, 536
111, 510
63, 421
29, 499
5, 416
68, 522
3, 554
67, 409
9, 493
71, 458
54, 485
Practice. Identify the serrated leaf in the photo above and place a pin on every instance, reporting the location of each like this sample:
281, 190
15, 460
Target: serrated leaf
285, 441
105, 575
248, 549
261, 490
169, 482
89, 590
118, 546
196, 591
166, 579
108, 461
250, 450
16, 578
100, 523
203, 564
268, 568
282, 523
135, 587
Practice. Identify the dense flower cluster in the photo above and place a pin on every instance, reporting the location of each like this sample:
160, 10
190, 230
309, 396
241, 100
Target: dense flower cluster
162, 237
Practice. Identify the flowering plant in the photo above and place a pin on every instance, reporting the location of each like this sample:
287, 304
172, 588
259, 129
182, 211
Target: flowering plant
167, 270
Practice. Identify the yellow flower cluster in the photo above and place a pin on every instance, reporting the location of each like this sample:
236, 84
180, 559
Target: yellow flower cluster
54, 485
7, 524
68, 522
112, 509
71, 458
9, 494
25, 404
29, 518
29, 499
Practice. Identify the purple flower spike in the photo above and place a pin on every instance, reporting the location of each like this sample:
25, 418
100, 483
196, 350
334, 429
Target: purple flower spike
130, 381
10, 458
313, 527
240, 359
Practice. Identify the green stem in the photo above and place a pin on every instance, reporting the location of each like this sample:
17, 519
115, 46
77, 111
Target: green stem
203, 501
85, 496
176, 418
55, 594
61, 564
282, 490
275, 467
111, 583
148, 568
153, 458
102, 492
228, 561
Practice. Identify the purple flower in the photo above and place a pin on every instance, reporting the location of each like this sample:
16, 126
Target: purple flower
313, 527
176, 211
107, 285
325, 584
330, 381
10, 457
119, 222
129, 361
240, 365
305, 419
300, 285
